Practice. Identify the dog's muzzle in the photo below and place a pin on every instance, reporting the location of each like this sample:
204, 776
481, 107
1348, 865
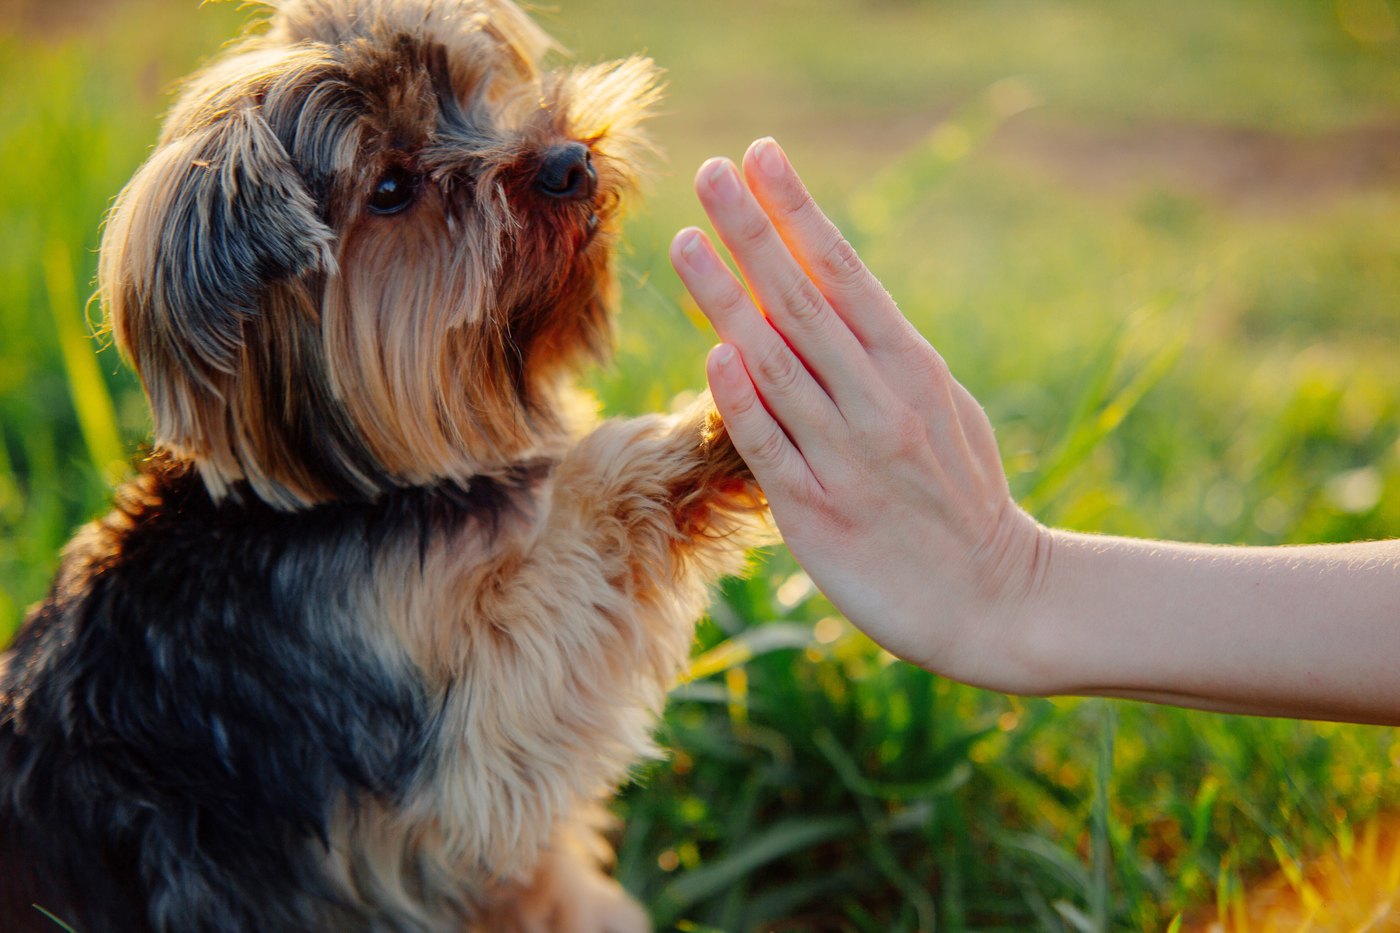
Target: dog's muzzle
566, 172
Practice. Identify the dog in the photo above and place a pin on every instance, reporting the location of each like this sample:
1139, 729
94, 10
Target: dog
386, 614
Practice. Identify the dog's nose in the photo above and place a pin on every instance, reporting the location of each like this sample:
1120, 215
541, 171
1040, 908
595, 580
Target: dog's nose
566, 172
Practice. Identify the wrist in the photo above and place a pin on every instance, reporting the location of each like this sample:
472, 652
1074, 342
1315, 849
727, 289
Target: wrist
1011, 590
1039, 658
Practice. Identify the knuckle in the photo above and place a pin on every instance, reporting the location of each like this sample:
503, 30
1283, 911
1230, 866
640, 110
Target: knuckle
938, 366
732, 298
805, 301
752, 229
769, 450
840, 523
841, 266
810, 497
780, 370
938, 369
905, 434
800, 210
742, 407
925, 363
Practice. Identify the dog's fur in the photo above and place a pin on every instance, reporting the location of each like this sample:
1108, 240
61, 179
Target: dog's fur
379, 623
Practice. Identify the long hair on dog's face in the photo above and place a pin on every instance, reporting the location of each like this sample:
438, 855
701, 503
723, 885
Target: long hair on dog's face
371, 243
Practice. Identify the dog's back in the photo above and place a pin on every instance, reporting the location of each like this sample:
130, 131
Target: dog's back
182, 714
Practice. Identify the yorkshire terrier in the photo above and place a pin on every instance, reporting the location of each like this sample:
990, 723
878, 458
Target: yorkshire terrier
383, 619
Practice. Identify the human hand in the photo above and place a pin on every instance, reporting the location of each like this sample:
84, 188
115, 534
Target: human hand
884, 478
882, 471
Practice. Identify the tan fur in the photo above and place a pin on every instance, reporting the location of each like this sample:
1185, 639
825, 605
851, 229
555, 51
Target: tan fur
318, 351
561, 640
565, 895
413, 321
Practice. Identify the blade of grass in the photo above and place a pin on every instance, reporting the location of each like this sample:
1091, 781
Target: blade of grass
53, 918
1045, 915
857, 783
878, 826
1135, 874
643, 283
1076, 917
632, 852
776, 903
97, 416
924, 907
1061, 863
862, 919
1193, 870
1091, 423
895, 192
1100, 843
780, 840
687, 926
738, 826
951, 754
740, 649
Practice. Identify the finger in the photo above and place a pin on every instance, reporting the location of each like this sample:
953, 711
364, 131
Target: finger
794, 305
911, 366
826, 256
795, 399
777, 464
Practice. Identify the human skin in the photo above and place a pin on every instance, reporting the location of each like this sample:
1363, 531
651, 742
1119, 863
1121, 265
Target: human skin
886, 482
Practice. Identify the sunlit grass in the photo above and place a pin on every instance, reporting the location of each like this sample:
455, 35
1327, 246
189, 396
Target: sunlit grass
1353, 887
1157, 362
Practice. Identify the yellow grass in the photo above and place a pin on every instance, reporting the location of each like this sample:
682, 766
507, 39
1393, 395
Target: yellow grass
1354, 887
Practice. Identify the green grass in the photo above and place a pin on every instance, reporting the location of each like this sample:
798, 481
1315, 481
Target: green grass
1157, 363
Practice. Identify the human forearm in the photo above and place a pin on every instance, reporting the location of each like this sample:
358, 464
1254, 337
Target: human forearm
1309, 632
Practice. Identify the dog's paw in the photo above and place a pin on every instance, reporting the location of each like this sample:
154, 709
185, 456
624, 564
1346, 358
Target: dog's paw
716, 448
600, 906
719, 483
570, 894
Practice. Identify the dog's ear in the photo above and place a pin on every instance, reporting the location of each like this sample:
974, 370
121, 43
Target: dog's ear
215, 216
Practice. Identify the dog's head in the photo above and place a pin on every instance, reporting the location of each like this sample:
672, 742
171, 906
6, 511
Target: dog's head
370, 245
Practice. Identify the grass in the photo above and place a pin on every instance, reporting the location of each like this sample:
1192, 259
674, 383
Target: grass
1159, 360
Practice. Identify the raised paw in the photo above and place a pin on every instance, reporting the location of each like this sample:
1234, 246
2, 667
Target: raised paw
569, 894
720, 482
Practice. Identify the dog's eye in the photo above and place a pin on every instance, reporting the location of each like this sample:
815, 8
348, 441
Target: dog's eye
392, 193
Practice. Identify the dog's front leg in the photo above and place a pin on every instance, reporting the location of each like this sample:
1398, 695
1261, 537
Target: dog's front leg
586, 626
663, 497
569, 892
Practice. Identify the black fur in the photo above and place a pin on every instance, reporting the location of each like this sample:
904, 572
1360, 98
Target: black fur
136, 710
242, 218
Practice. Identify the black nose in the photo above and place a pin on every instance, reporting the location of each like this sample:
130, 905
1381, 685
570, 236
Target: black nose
566, 172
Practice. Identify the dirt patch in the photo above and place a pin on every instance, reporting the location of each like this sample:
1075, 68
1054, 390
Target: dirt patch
1241, 170
1253, 171
53, 19
1245, 170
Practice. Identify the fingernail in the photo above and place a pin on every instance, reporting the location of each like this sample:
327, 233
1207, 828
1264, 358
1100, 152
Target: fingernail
770, 157
696, 255
724, 182
723, 353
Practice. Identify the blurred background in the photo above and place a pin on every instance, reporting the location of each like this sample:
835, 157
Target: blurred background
1160, 242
